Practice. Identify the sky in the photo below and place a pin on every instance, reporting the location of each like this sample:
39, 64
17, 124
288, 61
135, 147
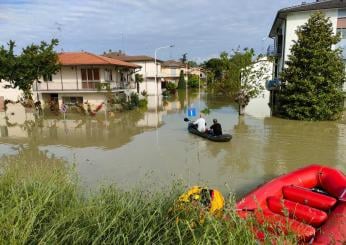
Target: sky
200, 28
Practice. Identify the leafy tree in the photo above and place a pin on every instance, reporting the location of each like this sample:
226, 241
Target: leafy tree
34, 63
193, 81
238, 76
138, 79
251, 82
171, 87
192, 63
182, 82
314, 75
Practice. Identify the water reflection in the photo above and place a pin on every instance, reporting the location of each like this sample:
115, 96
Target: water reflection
153, 145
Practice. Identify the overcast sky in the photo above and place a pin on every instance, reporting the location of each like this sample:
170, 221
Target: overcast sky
201, 28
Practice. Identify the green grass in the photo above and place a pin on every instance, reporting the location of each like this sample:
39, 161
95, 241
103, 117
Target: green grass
42, 203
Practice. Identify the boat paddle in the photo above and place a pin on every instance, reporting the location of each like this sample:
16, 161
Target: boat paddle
186, 119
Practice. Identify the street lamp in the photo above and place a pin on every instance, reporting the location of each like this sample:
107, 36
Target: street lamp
157, 49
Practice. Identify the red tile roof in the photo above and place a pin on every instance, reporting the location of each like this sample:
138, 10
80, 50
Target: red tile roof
85, 58
130, 58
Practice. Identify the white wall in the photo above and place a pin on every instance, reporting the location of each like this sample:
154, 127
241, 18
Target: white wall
258, 107
294, 20
71, 77
9, 93
148, 72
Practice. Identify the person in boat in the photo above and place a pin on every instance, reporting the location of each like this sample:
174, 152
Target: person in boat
200, 124
215, 129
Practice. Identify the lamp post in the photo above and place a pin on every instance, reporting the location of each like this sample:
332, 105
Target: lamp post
157, 49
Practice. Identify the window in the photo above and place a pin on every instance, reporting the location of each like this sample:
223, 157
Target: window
108, 75
341, 13
342, 31
90, 74
72, 100
54, 98
48, 78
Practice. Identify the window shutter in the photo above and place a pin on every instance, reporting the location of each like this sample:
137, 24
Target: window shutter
84, 74
96, 75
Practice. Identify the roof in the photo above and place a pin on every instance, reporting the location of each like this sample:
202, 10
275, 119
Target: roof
318, 5
173, 63
129, 58
86, 58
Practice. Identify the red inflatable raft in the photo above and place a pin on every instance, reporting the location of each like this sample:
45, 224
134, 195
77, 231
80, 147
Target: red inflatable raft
311, 202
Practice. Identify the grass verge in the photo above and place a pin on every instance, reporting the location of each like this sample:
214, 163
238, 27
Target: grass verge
42, 203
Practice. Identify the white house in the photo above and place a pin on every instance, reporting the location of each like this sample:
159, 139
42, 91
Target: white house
289, 19
148, 71
258, 107
86, 77
171, 70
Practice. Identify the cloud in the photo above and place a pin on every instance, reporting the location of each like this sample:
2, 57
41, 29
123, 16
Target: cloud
201, 28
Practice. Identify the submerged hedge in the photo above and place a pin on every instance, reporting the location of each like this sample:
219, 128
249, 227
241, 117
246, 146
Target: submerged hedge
42, 203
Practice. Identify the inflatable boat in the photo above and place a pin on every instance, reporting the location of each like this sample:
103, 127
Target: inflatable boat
310, 202
220, 138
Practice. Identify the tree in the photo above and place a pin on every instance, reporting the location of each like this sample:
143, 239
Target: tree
181, 83
138, 79
251, 82
192, 63
34, 63
314, 75
238, 76
193, 81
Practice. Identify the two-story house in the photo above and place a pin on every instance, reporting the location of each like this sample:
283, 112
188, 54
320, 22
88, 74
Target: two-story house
86, 77
287, 21
171, 70
148, 71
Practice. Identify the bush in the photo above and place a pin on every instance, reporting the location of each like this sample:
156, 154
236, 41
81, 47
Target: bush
193, 81
143, 103
171, 87
41, 203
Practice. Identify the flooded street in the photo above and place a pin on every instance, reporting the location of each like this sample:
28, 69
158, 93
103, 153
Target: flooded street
152, 147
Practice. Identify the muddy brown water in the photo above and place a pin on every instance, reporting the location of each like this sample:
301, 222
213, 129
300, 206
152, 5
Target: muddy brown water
152, 147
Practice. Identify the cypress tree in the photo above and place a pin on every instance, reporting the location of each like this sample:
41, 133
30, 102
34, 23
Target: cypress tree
182, 82
315, 72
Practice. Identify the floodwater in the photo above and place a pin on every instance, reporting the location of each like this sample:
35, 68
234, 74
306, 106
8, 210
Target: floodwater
152, 147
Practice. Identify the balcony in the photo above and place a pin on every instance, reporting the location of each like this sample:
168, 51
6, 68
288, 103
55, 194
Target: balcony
84, 86
274, 51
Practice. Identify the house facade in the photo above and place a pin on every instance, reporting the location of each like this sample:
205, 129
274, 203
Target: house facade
86, 78
148, 71
289, 19
171, 70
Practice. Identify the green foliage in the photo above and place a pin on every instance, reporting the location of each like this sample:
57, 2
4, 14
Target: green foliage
42, 203
193, 81
192, 63
143, 103
144, 93
171, 87
237, 76
139, 78
35, 62
103, 86
182, 82
314, 75
206, 111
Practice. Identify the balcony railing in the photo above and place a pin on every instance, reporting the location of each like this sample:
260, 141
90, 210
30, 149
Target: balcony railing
83, 86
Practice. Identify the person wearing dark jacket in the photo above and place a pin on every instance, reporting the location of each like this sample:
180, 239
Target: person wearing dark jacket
216, 128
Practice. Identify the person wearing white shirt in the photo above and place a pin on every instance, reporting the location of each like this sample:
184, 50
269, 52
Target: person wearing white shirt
201, 124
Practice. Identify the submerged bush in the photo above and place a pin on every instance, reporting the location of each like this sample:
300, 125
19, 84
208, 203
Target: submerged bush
42, 203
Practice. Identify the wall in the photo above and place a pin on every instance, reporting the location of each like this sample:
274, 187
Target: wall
72, 78
258, 107
300, 18
9, 93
